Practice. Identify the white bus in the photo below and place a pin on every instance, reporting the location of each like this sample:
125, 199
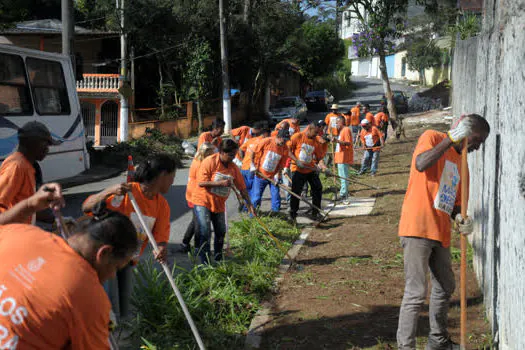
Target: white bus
40, 86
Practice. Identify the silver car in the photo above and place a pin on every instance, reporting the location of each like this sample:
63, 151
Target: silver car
288, 107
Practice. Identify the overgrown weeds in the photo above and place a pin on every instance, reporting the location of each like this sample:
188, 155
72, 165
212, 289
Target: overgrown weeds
222, 299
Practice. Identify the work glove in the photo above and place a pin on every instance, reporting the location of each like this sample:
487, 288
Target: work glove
276, 178
464, 226
252, 168
237, 162
462, 129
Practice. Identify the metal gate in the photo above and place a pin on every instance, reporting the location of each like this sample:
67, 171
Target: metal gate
88, 116
109, 123
364, 66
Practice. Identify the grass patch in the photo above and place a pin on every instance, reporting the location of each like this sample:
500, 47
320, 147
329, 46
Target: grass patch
222, 299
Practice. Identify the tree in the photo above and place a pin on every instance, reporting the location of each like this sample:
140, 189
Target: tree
421, 55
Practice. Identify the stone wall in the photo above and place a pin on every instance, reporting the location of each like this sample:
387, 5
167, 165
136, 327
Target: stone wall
489, 79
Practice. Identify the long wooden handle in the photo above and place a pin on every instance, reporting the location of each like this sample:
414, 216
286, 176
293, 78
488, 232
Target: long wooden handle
463, 271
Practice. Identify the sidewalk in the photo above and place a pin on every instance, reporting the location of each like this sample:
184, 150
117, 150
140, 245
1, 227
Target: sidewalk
94, 174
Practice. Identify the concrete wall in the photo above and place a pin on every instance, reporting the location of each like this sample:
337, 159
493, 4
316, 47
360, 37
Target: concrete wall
179, 127
488, 79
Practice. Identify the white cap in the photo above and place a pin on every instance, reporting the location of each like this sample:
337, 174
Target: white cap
365, 122
334, 106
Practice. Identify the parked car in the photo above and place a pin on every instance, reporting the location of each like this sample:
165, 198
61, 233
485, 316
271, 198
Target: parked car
288, 107
319, 99
400, 101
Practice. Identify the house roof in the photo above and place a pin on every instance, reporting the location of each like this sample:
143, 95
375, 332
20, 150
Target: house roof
471, 5
49, 26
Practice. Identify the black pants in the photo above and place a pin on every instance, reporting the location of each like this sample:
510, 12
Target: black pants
191, 231
316, 189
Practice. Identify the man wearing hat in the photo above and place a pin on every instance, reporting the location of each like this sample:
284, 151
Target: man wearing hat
269, 157
18, 171
331, 120
372, 141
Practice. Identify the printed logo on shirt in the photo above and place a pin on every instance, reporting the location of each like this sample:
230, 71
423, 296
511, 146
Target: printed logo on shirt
448, 186
116, 201
306, 154
141, 233
369, 140
291, 131
338, 146
271, 161
333, 122
36, 264
221, 191
14, 313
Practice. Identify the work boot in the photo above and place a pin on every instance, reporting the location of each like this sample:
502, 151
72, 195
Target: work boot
448, 345
293, 217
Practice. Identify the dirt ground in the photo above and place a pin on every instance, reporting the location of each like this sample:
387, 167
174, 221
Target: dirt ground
345, 289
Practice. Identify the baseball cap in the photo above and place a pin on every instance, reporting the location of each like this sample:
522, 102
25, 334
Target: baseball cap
37, 130
335, 106
283, 134
365, 122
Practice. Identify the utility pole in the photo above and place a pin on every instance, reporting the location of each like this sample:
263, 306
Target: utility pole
124, 89
68, 30
226, 98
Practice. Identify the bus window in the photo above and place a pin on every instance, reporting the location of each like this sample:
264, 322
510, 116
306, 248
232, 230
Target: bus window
14, 90
48, 86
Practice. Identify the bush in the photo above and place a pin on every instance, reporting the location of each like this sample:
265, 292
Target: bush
222, 299
152, 142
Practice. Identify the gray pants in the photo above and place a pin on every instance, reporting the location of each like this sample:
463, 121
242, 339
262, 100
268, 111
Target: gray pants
420, 255
119, 291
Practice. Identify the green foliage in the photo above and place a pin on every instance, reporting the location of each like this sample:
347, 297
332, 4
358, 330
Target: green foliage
222, 299
468, 26
423, 54
153, 142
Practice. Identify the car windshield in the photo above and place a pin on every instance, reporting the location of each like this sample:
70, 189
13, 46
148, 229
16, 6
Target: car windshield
315, 93
398, 94
284, 103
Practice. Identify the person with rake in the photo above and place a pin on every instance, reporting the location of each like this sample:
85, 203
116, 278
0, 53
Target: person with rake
343, 156
217, 174
372, 141
432, 198
245, 152
153, 178
51, 288
213, 136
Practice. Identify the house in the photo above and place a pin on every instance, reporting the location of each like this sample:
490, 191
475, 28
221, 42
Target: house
396, 63
97, 65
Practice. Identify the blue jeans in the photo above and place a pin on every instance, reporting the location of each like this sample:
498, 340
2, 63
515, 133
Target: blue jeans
355, 131
248, 179
202, 245
343, 170
370, 157
259, 185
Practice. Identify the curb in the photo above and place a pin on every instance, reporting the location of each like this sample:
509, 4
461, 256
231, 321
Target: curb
263, 316
83, 179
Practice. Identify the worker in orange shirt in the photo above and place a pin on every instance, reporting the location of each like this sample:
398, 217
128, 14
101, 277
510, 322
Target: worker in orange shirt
154, 177
432, 198
217, 174
381, 121
18, 171
307, 154
269, 157
369, 115
51, 288
331, 120
293, 124
213, 136
247, 168
344, 155
355, 120
244, 133
372, 141
206, 150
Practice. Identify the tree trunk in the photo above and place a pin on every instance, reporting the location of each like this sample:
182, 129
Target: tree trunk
226, 98
246, 13
422, 77
396, 122
161, 90
199, 114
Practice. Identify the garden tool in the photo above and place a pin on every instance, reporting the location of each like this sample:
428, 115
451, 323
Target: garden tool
229, 252
463, 270
329, 173
167, 272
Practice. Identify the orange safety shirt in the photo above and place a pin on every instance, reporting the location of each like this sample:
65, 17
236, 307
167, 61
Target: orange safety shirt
309, 151
344, 154
356, 113
194, 167
242, 134
371, 138
296, 128
207, 137
432, 194
270, 157
17, 182
248, 148
214, 198
370, 117
50, 296
331, 121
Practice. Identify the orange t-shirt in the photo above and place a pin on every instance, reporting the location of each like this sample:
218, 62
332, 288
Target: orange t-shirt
248, 148
270, 158
156, 214
242, 134
370, 117
354, 119
432, 194
51, 297
207, 137
371, 138
212, 169
380, 117
296, 128
17, 182
307, 150
331, 120
344, 154
348, 119
194, 167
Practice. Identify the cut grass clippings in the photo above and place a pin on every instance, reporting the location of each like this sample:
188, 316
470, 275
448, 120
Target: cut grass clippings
221, 298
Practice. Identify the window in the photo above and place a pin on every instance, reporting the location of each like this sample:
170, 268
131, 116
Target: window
14, 91
48, 86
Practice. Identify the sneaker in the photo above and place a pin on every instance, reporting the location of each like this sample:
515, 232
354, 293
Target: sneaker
315, 216
448, 345
346, 201
185, 248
